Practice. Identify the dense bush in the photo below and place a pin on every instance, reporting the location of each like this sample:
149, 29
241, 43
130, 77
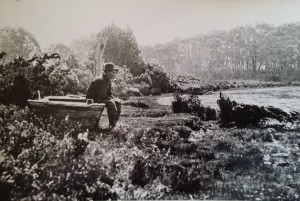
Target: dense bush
192, 105
21, 79
155, 78
160, 78
66, 79
41, 159
243, 115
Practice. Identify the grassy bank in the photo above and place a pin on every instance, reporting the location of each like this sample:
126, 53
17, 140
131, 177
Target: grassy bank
216, 163
152, 154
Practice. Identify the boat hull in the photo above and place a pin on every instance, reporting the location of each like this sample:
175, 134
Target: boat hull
74, 109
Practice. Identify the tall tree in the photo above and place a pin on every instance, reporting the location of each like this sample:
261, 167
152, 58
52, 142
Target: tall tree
84, 51
98, 57
17, 42
122, 48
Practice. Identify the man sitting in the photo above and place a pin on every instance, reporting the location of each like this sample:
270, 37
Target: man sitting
100, 91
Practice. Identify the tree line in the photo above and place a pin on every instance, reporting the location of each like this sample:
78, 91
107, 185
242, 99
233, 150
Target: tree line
258, 51
121, 48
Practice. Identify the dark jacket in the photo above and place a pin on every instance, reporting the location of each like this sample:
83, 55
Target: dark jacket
100, 89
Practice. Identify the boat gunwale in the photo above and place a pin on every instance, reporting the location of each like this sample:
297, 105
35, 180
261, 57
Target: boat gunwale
67, 104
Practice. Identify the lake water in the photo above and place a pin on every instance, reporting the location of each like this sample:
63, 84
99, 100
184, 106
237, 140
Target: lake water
286, 98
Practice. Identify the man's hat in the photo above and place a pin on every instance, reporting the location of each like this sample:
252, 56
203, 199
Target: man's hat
110, 67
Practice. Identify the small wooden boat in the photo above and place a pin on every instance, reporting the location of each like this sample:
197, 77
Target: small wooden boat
75, 108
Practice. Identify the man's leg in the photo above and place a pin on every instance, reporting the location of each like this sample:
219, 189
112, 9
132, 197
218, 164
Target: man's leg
111, 112
118, 105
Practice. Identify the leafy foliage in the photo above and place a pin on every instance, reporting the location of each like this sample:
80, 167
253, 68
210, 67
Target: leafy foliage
22, 78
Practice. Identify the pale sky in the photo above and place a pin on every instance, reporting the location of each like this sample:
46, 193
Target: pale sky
152, 21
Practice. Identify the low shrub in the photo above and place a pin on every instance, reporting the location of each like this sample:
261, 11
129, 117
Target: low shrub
274, 78
138, 104
179, 105
192, 105
243, 115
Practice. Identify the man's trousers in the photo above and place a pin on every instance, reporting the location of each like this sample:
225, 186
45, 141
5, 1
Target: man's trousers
113, 107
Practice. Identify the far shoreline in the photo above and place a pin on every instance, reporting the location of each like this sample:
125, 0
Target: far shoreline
198, 87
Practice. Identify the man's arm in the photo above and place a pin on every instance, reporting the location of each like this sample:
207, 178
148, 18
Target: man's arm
109, 94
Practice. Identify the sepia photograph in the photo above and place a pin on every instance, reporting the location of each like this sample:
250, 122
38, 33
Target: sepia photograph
149, 100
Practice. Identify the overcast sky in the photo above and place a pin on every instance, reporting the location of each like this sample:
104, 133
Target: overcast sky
152, 21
